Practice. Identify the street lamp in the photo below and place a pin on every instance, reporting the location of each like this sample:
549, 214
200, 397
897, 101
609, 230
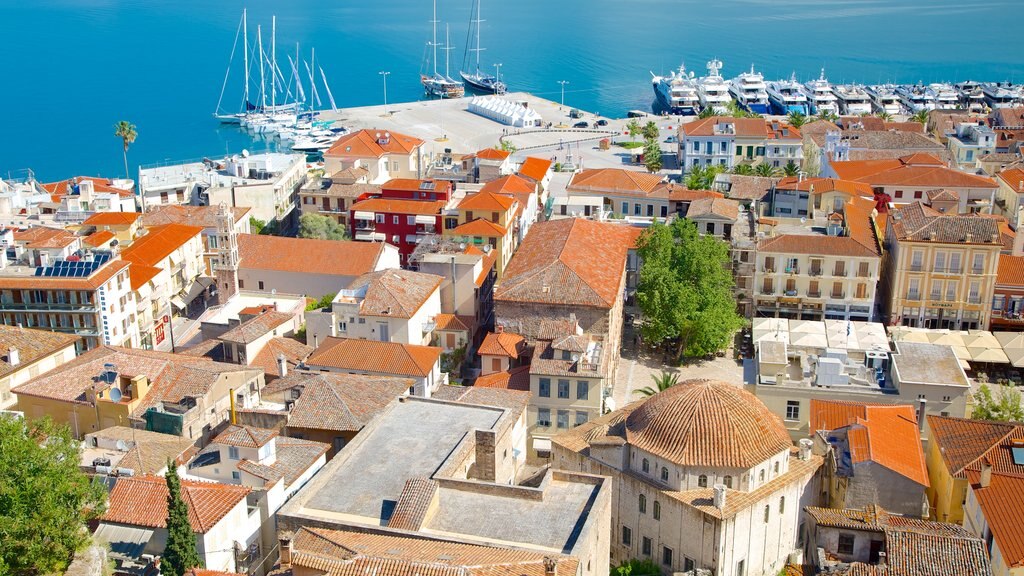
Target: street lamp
497, 76
385, 75
563, 83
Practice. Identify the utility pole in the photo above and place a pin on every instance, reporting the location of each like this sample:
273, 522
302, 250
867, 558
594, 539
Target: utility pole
563, 83
385, 76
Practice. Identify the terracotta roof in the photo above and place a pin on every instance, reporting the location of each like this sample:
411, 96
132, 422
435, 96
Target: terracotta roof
159, 242
505, 344
920, 170
874, 518
112, 219
919, 223
822, 185
31, 344
417, 185
943, 195
307, 256
571, 261
378, 357
294, 353
101, 185
493, 154
744, 127
99, 238
1014, 178
816, 244
344, 553
614, 180
740, 187
486, 200
535, 168
367, 144
677, 193
140, 274
43, 237
245, 436
481, 227
204, 572
517, 378
707, 423
142, 501
338, 402
203, 216
400, 206
255, 328
729, 209
413, 504
514, 400
148, 451
395, 293
98, 278
965, 443
510, 184
885, 434
1002, 503
452, 323
1011, 270
294, 456
782, 131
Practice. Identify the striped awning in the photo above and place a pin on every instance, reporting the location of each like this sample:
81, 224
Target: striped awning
426, 219
360, 215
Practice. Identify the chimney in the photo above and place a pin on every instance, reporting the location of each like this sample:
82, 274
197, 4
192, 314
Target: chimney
986, 473
286, 549
921, 404
719, 498
550, 566
13, 356
282, 365
499, 329
805, 448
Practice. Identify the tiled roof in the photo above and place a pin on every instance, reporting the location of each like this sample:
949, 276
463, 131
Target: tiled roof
149, 451
514, 400
707, 423
545, 361
511, 184
517, 378
885, 434
740, 187
488, 201
1011, 270
400, 206
615, 180
963, 443
395, 293
112, 219
142, 501
43, 237
255, 328
505, 344
294, 353
31, 344
99, 238
306, 256
744, 127
822, 185
702, 207
1014, 178
377, 357
943, 195
367, 144
570, 262
816, 244
203, 216
294, 456
416, 185
452, 323
245, 436
101, 185
919, 223
159, 243
534, 168
1002, 503
413, 503
345, 553
782, 131
919, 170
99, 278
339, 402
677, 193
139, 274
493, 154
480, 227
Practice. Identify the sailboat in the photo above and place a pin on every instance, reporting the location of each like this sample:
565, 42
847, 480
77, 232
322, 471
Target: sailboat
478, 79
438, 84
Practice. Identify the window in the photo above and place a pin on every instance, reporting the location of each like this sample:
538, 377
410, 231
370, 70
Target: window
727, 481
664, 211
627, 536
581, 417
394, 219
636, 209
845, 544
664, 474
261, 284
760, 476
666, 555
380, 218
792, 410
979, 263
782, 504
650, 209
688, 564
582, 390
563, 419
917, 195
233, 452
544, 388
954, 262
767, 512
775, 469
544, 417
646, 546
410, 220
342, 327
625, 208
642, 504
702, 481
563, 388
940, 262
645, 465
235, 475
657, 510
898, 194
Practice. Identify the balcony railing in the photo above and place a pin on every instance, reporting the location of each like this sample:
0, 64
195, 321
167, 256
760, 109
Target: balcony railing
791, 293
792, 269
814, 294
935, 296
365, 225
767, 292
977, 270
839, 273
815, 272
916, 267
769, 269
838, 295
913, 295
974, 300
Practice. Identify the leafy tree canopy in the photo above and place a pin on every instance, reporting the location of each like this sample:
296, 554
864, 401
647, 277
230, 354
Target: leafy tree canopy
652, 156
180, 555
1005, 406
320, 227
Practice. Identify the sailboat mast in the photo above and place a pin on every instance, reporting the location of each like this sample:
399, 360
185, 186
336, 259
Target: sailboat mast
447, 48
478, 21
245, 40
433, 43
298, 77
273, 61
263, 80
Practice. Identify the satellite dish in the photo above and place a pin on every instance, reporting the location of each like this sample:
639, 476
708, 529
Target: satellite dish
245, 153
575, 357
115, 394
122, 446
803, 220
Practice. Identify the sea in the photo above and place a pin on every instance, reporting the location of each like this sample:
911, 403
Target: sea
73, 68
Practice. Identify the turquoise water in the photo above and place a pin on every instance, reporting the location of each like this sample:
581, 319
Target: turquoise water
73, 68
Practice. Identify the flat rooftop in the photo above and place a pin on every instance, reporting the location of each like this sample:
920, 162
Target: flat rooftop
920, 363
242, 300
157, 177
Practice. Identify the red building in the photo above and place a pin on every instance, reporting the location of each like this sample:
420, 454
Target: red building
405, 211
1008, 296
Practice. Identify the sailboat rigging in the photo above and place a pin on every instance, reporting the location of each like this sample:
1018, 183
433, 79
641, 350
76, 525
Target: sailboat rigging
437, 84
477, 78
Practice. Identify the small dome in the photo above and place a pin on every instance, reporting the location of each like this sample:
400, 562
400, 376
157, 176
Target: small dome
707, 423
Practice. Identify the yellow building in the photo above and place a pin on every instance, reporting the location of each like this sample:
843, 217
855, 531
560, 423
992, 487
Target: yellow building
939, 270
486, 218
124, 225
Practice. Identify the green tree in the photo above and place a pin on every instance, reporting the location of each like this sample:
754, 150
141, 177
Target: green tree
45, 500
685, 289
702, 177
507, 146
827, 116
661, 382
736, 111
743, 169
708, 112
1006, 408
634, 129
920, 116
765, 169
652, 155
313, 225
797, 119
791, 169
636, 567
885, 116
127, 133
323, 302
650, 131
256, 225
180, 555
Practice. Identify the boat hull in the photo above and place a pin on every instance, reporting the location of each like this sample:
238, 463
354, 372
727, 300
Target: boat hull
662, 104
487, 85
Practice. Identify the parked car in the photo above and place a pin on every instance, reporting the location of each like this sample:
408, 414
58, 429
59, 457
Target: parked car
583, 124
601, 122
575, 113
671, 140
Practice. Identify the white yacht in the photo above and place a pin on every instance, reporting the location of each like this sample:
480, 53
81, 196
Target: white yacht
677, 92
972, 96
946, 97
819, 94
750, 92
853, 99
916, 98
884, 98
712, 89
786, 97
1001, 95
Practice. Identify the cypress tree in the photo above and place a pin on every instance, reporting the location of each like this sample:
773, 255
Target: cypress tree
180, 554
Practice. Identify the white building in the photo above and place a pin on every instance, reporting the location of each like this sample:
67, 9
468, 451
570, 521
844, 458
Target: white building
705, 477
505, 111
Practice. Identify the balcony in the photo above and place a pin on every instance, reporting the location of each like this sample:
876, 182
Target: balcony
935, 296
838, 295
50, 307
839, 273
916, 268
767, 292
367, 225
977, 270
769, 270
974, 300
913, 296
815, 272
814, 294
790, 293
792, 269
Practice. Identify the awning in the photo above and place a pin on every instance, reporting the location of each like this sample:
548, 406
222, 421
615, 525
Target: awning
360, 215
542, 444
126, 542
178, 303
411, 238
426, 219
371, 236
197, 288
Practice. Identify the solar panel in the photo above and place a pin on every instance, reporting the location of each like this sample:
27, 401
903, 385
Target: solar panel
39, 271
1018, 455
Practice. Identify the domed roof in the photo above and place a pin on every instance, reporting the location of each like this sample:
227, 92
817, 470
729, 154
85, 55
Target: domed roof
707, 423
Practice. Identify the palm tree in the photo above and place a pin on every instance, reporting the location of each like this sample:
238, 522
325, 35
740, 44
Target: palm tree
797, 119
885, 116
764, 169
791, 169
662, 382
708, 112
920, 116
827, 116
743, 169
125, 130
650, 131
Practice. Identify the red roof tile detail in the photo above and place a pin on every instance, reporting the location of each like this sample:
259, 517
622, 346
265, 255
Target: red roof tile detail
112, 219
142, 501
517, 378
159, 243
534, 168
921, 170
493, 154
375, 357
400, 206
301, 255
367, 144
502, 344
